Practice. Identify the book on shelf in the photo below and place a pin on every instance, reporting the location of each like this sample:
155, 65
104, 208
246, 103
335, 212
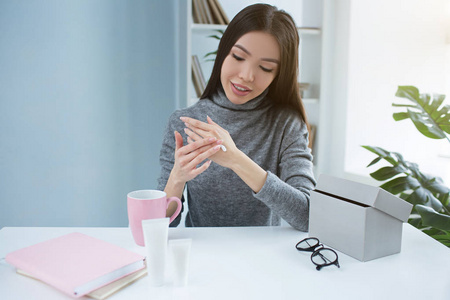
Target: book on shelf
196, 15
303, 86
109, 289
198, 5
200, 73
195, 82
217, 15
222, 12
208, 12
197, 76
75, 263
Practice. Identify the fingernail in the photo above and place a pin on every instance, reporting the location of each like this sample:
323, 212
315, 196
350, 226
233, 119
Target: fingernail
183, 119
217, 147
212, 139
219, 142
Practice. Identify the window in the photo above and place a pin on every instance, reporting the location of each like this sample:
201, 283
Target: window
392, 43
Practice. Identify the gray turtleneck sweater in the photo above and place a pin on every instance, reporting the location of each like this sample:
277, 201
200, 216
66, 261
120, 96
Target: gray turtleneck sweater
275, 138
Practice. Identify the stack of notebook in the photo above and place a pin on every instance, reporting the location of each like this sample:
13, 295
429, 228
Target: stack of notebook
79, 265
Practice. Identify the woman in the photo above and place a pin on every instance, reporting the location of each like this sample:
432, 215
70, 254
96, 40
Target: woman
252, 107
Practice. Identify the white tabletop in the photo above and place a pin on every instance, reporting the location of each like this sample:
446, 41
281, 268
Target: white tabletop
256, 263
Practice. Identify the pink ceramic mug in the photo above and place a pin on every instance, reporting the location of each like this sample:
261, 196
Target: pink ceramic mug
148, 204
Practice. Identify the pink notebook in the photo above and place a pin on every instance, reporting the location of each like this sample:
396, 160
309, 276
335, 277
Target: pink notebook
76, 263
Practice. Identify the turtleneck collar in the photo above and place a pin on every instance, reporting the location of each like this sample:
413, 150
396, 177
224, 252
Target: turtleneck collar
221, 99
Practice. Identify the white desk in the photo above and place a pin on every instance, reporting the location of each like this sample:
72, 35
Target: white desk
256, 263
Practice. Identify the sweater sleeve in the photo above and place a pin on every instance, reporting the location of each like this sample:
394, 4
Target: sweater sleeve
167, 159
287, 193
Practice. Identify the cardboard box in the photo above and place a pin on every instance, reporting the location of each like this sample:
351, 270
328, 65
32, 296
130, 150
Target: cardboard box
359, 220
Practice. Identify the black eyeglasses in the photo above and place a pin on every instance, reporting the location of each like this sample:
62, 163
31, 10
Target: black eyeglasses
321, 256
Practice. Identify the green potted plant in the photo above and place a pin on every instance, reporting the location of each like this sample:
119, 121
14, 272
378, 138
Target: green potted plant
428, 194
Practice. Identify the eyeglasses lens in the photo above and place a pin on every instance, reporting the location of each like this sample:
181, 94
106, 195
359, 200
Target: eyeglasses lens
324, 257
308, 244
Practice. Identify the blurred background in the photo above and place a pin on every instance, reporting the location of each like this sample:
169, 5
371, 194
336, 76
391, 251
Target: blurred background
87, 86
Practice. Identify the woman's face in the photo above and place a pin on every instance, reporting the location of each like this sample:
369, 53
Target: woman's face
250, 67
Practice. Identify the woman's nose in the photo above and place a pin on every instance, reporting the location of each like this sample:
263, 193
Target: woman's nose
246, 73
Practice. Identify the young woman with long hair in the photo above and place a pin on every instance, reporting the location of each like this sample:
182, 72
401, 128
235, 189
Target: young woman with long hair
251, 128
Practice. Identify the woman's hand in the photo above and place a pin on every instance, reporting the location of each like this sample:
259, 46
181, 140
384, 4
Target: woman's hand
249, 171
198, 130
188, 157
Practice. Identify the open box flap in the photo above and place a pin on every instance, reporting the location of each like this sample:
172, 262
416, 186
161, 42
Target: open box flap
365, 194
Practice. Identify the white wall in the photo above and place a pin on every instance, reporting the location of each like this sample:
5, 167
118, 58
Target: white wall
334, 87
85, 93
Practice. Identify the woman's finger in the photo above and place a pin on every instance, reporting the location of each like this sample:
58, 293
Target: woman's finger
196, 123
212, 131
197, 144
201, 169
194, 136
201, 157
186, 159
178, 140
210, 121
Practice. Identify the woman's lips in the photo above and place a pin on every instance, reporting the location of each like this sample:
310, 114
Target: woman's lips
240, 90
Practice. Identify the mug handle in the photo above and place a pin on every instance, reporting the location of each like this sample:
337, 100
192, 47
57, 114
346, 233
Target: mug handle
177, 212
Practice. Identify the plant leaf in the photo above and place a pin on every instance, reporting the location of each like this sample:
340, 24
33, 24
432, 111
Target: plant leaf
210, 53
415, 220
377, 150
435, 185
408, 91
400, 116
387, 172
425, 125
442, 236
445, 199
403, 105
374, 161
214, 36
415, 172
217, 37
400, 184
386, 155
424, 197
428, 113
430, 217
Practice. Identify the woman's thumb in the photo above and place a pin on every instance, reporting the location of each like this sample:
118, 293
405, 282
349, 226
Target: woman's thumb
178, 140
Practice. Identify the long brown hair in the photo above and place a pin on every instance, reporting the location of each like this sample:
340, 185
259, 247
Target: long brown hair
283, 90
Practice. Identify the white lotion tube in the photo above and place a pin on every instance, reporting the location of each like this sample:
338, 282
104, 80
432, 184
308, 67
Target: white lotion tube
180, 250
155, 237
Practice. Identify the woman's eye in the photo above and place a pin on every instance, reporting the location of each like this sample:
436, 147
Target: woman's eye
266, 69
237, 57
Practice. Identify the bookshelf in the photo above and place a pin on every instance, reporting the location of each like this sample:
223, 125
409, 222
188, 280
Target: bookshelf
197, 42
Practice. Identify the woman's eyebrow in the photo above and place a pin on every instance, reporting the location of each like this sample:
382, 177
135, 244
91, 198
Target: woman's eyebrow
265, 59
